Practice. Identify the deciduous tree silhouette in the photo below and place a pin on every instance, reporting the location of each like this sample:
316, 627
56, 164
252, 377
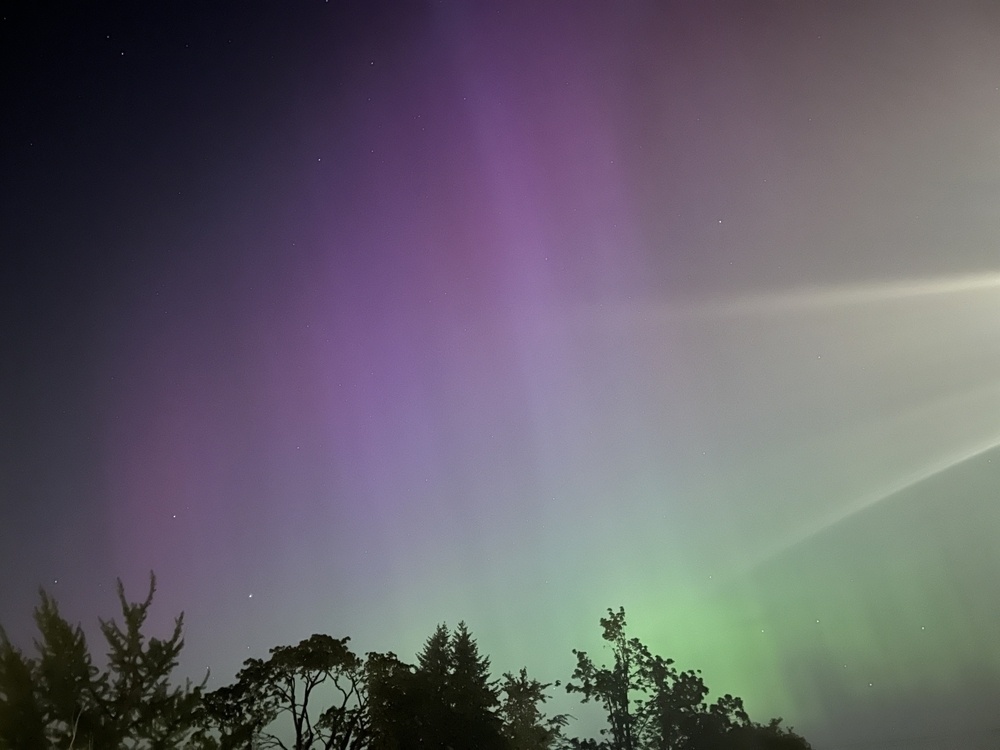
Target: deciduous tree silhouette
771, 736
525, 725
387, 679
651, 705
285, 687
620, 688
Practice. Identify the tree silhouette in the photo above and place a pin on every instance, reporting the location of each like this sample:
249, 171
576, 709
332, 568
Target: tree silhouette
446, 700
434, 662
771, 736
387, 680
61, 700
651, 705
471, 693
525, 726
22, 716
319, 695
285, 686
617, 687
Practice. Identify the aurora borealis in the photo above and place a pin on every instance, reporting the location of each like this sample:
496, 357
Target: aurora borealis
360, 317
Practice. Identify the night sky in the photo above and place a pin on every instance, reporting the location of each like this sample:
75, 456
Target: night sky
356, 317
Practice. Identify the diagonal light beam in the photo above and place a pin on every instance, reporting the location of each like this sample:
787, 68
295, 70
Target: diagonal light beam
872, 499
846, 295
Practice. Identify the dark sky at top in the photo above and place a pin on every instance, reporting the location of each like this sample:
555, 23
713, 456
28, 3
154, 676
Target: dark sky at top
360, 317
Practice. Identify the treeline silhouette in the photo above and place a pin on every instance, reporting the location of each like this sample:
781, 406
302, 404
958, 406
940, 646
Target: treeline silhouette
318, 694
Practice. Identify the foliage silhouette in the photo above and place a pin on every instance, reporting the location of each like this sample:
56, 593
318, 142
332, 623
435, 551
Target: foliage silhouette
285, 687
525, 725
319, 695
447, 700
59, 699
651, 705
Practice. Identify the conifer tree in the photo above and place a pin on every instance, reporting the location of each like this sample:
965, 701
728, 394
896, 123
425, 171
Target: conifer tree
469, 683
447, 701
473, 697
60, 699
434, 662
22, 721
